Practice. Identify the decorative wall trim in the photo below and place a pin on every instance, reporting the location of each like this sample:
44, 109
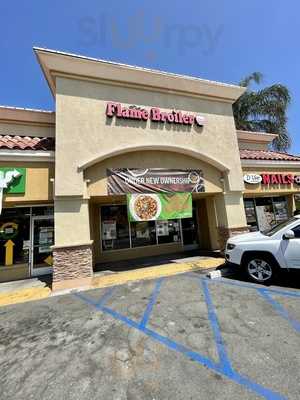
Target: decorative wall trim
27, 155
270, 163
175, 149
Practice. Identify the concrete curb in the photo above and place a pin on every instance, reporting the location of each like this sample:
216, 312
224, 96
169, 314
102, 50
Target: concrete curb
32, 293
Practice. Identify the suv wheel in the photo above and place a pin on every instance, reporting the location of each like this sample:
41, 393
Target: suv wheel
260, 269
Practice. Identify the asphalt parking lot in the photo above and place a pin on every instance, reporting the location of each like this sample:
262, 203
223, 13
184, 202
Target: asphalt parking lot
180, 337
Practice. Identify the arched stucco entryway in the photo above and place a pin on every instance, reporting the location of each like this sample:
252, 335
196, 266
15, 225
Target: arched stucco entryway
95, 175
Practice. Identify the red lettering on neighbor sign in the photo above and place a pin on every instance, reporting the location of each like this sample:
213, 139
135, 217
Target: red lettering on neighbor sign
155, 114
266, 179
279, 179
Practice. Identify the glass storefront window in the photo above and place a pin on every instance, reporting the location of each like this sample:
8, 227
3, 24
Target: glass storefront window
14, 237
265, 212
280, 209
43, 239
297, 202
143, 233
168, 231
118, 233
48, 210
114, 227
250, 214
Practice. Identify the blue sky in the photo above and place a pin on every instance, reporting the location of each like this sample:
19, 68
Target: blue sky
218, 40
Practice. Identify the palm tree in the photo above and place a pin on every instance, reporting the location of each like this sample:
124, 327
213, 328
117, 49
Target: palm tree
264, 110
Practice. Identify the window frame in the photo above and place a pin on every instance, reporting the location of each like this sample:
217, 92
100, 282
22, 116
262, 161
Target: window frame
103, 251
273, 200
298, 228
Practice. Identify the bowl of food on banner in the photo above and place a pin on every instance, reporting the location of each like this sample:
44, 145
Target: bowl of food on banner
145, 207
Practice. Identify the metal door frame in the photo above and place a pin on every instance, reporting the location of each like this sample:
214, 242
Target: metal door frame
43, 270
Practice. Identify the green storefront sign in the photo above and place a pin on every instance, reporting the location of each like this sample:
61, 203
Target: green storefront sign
159, 206
13, 180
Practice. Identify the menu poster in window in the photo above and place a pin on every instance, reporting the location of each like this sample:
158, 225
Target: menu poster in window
162, 228
281, 211
46, 238
265, 218
154, 180
109, 230
142, 230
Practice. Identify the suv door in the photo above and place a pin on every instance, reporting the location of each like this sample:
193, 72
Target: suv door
291, 249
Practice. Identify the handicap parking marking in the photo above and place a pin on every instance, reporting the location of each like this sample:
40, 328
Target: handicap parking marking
279, 308
223, 367
266, 294
213, 319
151, 303
232, 282
101, 301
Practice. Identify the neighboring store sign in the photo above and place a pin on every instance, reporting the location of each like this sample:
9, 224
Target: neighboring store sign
252, 178
280, 179
154, 180
272, 179
9, 230
12, 180
154, 114
161, 206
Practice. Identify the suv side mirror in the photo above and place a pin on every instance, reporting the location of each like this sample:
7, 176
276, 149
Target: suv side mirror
288, 235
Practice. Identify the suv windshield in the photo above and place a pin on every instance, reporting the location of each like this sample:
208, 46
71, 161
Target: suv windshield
277, 228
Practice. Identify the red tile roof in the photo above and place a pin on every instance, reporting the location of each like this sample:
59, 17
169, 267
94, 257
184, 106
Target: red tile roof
267, 155
13, 142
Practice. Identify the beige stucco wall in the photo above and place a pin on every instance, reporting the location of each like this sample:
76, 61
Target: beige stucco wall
83, 133
230, 210
87, 142
252, 146
38, 187
147, 159
22, 129
263, 190
71, 222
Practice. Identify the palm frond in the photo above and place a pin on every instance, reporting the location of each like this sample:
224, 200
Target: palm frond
264, 110
255, 77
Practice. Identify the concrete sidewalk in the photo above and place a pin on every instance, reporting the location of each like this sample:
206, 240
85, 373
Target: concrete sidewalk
25, 290
39, 288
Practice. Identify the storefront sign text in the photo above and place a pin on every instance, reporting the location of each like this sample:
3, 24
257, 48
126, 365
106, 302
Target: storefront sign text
252, 178
154, 180
280, 179
272, 179
12, 180
154, 114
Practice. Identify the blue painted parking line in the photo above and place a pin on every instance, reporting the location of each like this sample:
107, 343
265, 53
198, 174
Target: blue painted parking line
223, 357
151, 303
279, 309
223, 367
107, 295
103, 299
232, 282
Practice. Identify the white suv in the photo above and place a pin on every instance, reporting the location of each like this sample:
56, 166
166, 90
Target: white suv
262, 254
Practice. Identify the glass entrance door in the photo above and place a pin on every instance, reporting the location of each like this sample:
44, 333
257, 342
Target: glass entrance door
42, 240
189, 227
